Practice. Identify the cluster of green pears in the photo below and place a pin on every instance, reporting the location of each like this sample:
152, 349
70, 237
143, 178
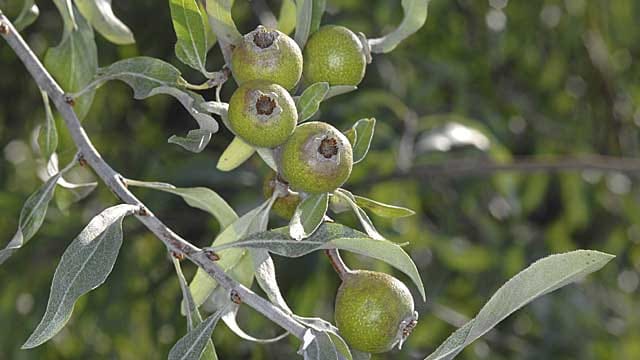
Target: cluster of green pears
374, 312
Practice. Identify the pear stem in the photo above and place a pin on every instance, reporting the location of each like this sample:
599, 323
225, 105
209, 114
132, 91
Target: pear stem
338, 265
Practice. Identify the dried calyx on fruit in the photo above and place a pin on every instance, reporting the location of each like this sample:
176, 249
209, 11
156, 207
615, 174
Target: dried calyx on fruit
262, 114
334, 54
285, 205
266, 54
316, 158
374, 311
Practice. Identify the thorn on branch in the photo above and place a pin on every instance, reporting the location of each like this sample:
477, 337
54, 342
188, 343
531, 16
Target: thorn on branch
81, 160
69, 100
235, 297
4, 28
143, 211
211, 255
177, 255
122, 180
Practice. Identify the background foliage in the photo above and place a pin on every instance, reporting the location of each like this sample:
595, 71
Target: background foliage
520, 78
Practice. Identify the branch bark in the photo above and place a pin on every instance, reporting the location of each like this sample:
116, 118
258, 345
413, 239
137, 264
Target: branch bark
115, 182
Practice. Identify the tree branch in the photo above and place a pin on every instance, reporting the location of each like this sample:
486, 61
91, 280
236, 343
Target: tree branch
530, 164
115, 182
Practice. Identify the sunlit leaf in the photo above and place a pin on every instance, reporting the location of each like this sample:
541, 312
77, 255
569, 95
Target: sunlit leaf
192, 345
364, 129
48, 135
339, 90
542, 277
304, 17
84, 266
316, 19
27, 16
222, 24
287, 16
235, 155
100, 15
362, 216
415, 15
190, 25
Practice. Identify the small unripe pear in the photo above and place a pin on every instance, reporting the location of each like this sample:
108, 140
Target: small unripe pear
334, 54
374, 311
316, 158
267, 54
284, 206
262, 114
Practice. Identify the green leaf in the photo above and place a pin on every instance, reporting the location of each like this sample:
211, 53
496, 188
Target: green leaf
143, 74
316, 19
190, 25
84, 266
308, 215
339, 90
192, 102
198, 197
309, 102
322, 325
32, 216
331, 236
100, 15
542, 277
304, 17
27, 16
48, 135
193, 314
195, 141
287, 16
221, 21
317, 345
74, 62
202, 284
65, 7
192, 345
381, 209
415, 15
235, 155
365, 221
364, 129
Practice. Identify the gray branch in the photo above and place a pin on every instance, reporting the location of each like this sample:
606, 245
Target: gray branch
115, 182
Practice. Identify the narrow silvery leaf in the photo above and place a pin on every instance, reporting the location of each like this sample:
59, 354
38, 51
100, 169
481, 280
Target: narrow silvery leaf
65, 7
308, 215
192, 345
344, 353
540, 278
32, 216
316, 19
100, 15
73, 63
79, 191
331, 236
27, 16
415, 15
309, 102
198, 197
268, 157
84, 266
359, 355
320, 348
339, 90
143, 74
229, 319
190, 25
222, 24
381, 209
364, 129
215, 107
193, 314
366, 223
304, 17
325, 326
265, 273
48, 136
202, 284
287, 16
235, 155
195, 141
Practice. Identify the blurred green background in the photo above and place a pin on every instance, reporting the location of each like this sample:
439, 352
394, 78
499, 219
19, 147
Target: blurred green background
484, 80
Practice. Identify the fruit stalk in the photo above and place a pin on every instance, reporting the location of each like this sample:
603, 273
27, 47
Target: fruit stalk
336, 262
